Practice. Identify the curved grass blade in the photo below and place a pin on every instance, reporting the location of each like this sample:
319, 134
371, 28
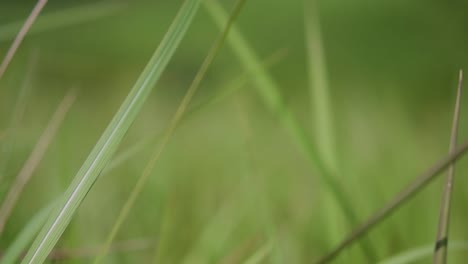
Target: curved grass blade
420, 253
171, 128
112, 136
407, 193
62, 18
34, 159
440, 250
270, 93
21, 34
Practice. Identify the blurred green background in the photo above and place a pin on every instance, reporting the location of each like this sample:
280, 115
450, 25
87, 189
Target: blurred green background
232, 180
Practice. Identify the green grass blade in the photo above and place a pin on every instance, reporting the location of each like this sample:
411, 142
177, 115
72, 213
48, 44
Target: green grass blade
172, 126
26, 236
109, 141
270, 92
62, 18
420, 253
440, 252
318, 85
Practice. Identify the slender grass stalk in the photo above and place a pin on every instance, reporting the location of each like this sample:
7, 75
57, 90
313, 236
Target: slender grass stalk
319, 86
111, 138
34, 158
420, 253
63, 18
17, 114
270, 93
440, 250
407, 193
21, 34
171, 128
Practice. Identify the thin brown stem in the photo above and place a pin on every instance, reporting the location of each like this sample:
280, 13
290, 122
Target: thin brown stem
20, 36
440, 249
34, 158
399, 199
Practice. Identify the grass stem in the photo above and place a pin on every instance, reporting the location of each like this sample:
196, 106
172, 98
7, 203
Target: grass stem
21, 34
440, 250
407, 193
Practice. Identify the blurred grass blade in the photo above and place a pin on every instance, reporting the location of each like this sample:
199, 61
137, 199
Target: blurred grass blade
109, 141
171, 127
257, 194
34, 159
418, 254
214, 235
21, 34
440, 250
261, 254
11, 130
26, 236
407, 193
318, 85
62, 18
236, 84
270, 92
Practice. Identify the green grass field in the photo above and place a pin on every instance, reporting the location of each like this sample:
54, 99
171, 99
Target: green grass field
312, 116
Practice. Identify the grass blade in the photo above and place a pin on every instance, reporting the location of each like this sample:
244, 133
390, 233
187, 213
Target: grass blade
25, 237
412, 189
21, 34
440, 251
17, 114
270, 92
62, 18
34, 159
171, 128
111, 138
417, 254
261, 254
318, 85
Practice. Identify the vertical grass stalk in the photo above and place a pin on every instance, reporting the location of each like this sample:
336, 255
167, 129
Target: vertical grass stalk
111, 138
318, 85
270, 92
440, 250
